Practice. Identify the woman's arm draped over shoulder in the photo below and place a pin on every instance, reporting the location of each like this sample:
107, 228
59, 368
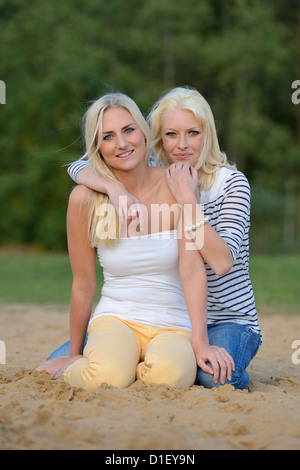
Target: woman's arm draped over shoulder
82, 172
77, 167
83, 264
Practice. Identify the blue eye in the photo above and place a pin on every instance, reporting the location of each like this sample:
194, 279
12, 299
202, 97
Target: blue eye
129, 130
194, 132
170, 134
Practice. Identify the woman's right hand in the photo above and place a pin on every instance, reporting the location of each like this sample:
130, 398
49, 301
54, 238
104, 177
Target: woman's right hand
222, 364
182, 180
127, 206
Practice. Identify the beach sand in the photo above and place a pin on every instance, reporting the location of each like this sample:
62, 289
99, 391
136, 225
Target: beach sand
38, 412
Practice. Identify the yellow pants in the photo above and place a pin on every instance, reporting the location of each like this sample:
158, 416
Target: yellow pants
115, 348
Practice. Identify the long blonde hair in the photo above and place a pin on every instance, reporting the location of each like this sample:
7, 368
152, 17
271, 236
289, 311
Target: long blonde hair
103, 226
211, 157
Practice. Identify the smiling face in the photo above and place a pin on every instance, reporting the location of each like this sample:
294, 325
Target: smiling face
182, 136
122, 142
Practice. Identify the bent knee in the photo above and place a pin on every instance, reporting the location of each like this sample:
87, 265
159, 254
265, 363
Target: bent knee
173, 378
112, 373
173, 370
91, 375
239, 380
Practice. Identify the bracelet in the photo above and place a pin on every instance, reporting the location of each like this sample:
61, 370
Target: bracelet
192, 228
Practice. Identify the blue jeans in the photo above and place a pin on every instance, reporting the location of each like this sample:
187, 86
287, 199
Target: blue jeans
241, 343
63, 350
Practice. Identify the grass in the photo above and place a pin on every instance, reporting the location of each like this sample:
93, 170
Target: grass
47, 278
37, 278
276, 283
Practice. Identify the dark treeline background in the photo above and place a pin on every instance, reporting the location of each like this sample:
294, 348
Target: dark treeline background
56, 56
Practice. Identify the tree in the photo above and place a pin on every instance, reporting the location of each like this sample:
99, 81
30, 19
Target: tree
58, 56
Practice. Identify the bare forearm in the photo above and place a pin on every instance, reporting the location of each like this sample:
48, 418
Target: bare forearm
193, 277
93, 180
212, 247
81, 308
195, 293
183, 183
121, 199
221, 362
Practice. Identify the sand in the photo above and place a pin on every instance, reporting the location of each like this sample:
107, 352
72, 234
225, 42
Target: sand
38, 412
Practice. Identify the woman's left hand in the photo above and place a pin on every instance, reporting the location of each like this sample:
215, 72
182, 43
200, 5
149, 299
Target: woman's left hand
182, 180
222, 364
54, 364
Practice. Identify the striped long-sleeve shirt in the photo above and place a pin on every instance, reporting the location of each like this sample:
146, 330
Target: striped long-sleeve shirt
227, 203
76, 167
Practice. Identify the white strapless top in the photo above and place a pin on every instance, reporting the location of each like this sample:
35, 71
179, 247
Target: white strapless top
142, 282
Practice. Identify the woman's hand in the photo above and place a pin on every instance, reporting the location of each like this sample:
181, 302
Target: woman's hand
127, 206
222, 364
53, 365
182, 180
56, 367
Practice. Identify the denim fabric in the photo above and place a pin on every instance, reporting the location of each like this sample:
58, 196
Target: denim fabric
63, 350
241, 343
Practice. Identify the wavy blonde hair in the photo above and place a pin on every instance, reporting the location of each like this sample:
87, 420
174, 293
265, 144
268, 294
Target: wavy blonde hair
189, 99
103, 226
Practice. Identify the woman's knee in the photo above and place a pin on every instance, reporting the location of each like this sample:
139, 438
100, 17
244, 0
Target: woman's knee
112, 354
91, 374
111, 372
240, 380
169, 362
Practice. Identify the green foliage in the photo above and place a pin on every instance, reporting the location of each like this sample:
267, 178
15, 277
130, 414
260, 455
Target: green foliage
46, 278
38, 278
58, 56
275, 282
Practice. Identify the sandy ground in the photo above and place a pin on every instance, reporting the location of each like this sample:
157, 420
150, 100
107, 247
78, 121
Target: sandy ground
40, 413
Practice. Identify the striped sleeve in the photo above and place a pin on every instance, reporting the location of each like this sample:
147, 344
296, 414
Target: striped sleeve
230, 297
76, 167
234, 212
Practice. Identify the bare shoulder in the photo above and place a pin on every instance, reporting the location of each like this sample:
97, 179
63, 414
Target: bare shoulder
79, 195
79, 204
